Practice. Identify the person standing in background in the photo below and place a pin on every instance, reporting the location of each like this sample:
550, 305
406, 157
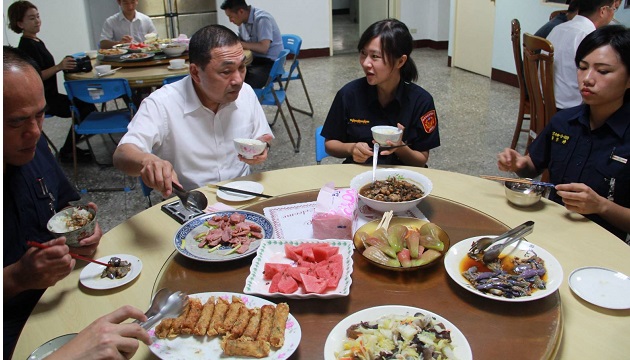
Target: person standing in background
24, 19
566, 38
127, 26
259, 33
561, 18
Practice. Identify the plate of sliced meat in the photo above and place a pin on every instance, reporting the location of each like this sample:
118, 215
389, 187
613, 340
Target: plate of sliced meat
222, 236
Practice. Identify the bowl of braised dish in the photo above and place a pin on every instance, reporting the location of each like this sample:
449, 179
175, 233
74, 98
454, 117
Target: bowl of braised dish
401, 243
394, 189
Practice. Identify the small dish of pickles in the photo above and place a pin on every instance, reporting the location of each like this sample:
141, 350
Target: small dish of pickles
401, 243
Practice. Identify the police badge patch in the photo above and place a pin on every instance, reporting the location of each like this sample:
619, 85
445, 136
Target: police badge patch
429, 121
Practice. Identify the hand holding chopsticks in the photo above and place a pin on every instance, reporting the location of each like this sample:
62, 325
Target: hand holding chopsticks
76, 256
520, 181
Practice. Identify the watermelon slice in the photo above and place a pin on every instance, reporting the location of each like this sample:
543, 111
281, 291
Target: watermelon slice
313, 284
273, 288
272, 269
287, 284
290, 252
322, 253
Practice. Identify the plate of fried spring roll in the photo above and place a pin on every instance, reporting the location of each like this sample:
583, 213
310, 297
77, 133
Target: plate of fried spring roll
224, 325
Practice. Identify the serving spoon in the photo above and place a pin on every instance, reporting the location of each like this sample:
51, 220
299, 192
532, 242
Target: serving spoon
171, 305
492, 253
375, 161
482, 244
195, 199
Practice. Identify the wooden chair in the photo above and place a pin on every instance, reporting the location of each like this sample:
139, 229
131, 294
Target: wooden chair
538, 72
523, 106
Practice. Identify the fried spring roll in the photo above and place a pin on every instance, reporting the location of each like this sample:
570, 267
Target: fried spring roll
192, 317
252, 326
204, 320
176, 327
266, 321
162, 330
241, 322
220, 308
240, 347
231, 315
280, 316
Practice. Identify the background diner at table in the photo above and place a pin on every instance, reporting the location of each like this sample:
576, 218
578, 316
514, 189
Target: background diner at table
127, 26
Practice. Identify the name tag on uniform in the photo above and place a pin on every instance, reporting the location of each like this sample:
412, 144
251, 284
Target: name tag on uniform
620, 159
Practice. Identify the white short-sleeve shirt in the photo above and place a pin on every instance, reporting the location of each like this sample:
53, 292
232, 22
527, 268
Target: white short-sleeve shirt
173, 124
565, 39
117, 26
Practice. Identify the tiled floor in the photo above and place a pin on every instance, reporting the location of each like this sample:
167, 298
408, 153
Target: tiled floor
476, 121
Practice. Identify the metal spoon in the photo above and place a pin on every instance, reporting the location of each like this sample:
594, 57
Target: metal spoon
173, 306
158, 301
482, 244
375, 161
195, 199
493, 252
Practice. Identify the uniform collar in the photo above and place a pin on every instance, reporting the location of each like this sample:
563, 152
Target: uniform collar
373, 94
617, 122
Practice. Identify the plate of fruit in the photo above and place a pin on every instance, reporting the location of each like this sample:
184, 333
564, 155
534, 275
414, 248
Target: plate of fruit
401, 243
301, 269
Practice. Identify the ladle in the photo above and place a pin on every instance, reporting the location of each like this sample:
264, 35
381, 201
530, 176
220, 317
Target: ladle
171, 306
375, 161
189, 199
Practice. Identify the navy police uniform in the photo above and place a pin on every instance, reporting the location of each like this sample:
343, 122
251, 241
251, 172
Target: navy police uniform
574, 153
28, 206
356, 109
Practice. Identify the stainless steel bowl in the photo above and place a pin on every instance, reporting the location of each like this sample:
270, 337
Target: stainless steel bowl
523, 194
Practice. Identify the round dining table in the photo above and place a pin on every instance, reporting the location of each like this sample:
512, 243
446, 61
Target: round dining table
141, 74
559, 326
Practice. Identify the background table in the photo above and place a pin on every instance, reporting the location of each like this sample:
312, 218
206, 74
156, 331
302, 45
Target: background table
588, 331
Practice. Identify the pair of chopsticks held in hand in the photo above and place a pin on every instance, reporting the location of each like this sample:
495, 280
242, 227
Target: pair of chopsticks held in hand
75, 256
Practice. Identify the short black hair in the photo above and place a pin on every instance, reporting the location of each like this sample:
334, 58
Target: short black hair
16, 12
16, 58
234, 5
206, 39
617, 36
396, 41
589, 7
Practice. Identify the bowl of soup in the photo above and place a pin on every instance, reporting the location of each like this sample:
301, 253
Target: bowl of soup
394, 189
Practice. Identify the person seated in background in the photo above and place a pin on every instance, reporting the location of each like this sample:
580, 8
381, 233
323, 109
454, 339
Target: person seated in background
184, 131
35, 187
24, 19
586, 148
563, 17
259, 33
565, 39
385, 96
106, 338
129, 25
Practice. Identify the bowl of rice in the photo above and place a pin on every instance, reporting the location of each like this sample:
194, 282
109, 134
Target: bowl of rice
75, 223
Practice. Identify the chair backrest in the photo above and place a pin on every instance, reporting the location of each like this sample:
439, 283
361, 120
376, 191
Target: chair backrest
293, 43
274, 74
518, 59
320, 145
538, 66
172, 79
556, 13
97, 91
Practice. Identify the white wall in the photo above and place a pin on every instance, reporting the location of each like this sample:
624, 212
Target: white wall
430, 18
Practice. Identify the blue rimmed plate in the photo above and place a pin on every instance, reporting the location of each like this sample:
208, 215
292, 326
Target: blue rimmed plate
186, 244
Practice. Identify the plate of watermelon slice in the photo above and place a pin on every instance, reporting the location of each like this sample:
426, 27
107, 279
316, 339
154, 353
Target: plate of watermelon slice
301, 269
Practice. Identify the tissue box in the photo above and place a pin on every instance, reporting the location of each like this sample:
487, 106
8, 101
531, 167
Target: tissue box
336, 213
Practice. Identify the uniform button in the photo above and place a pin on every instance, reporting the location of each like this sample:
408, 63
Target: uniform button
579, 163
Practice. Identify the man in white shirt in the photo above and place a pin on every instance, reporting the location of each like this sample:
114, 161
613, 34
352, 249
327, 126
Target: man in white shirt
184, 131
566, 38
126, 26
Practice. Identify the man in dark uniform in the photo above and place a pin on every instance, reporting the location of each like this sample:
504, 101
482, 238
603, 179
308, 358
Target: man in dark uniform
34, 188
356, 109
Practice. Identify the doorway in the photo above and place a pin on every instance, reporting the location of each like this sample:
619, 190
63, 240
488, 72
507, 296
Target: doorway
345, 26
473, 39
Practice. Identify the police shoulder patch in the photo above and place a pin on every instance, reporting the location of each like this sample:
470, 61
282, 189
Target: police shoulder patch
429, 121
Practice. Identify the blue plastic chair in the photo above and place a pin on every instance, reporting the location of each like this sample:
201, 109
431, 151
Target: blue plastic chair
293, 43
320, 147
272, 96
99, 91
172, 79
146, 191
52, 146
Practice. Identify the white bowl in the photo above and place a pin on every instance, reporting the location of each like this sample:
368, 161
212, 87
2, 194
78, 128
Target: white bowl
249, 148
174, 49
91, 54
56, 225
177, 63
102, 69
413, 177
382, 133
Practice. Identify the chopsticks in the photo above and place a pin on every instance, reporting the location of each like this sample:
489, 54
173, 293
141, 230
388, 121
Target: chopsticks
245, 192
76, 256
520, 181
